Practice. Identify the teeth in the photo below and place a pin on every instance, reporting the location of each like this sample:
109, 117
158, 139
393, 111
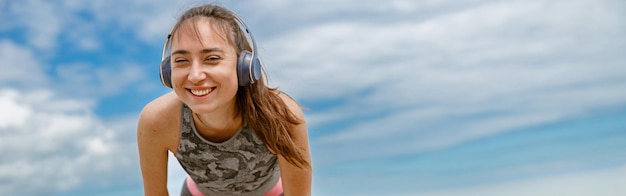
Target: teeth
201, 92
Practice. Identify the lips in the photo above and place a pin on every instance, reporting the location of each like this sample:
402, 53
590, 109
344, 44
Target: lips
201, 92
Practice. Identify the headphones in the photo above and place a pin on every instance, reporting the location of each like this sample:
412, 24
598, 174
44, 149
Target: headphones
248, 63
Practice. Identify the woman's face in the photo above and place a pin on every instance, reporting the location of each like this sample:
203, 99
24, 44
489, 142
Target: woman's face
204, 74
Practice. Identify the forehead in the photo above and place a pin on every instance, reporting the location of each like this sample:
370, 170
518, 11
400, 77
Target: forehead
200, 32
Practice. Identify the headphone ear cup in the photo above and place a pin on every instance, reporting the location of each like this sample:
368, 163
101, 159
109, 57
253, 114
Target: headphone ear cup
165, 71
248, 68
256, 69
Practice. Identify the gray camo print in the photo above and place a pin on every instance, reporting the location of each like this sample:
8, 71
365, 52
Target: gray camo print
240, 165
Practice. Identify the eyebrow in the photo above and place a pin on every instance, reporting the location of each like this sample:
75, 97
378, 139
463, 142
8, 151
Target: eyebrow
203, 51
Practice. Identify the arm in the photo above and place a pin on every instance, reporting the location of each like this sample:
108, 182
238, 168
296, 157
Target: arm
296, 181
152, 152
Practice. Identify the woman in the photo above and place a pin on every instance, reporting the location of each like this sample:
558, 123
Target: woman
232, 134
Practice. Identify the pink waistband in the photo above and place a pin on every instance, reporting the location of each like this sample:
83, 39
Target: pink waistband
193, 189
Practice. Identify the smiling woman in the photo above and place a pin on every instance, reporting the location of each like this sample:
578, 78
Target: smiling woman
231, 133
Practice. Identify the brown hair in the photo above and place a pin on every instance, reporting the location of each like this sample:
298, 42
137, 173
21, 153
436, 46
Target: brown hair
261, 107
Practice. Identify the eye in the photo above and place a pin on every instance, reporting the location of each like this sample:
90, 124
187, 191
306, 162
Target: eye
213, 58
180, 60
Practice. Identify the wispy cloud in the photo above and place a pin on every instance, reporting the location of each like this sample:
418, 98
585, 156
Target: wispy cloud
382, 79
95, 81
514, 63
20, 66
602, 182
44, 23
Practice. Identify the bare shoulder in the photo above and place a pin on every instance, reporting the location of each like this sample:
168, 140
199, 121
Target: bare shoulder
293, 105
159, 120
161, 109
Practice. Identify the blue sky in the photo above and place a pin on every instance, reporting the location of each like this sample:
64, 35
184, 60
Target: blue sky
478, 97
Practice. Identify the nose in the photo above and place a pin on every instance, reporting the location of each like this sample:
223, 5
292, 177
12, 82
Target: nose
196, 73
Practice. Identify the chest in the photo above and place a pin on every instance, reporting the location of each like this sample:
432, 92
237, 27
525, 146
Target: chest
240, 163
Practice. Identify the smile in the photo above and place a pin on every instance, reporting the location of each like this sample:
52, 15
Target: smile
201, 92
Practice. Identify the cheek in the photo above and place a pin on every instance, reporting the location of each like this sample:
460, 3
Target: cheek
229, 73
231, 76
178, 76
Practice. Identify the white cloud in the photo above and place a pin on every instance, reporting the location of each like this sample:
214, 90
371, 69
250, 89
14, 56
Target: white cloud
23, 68
357, 55
12, 113
49, 150
85, 80
400, 67
312, 10
44, 22
600, 182
19, 65
148, 20
42, 19
51, 140
118, 78
518, 63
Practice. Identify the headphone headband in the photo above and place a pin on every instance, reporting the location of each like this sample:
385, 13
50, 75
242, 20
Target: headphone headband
251, 42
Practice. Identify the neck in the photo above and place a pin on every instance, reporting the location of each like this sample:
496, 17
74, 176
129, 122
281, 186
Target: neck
217, 126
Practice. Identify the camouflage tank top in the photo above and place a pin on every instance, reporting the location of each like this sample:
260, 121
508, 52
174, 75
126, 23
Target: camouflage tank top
242, 165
